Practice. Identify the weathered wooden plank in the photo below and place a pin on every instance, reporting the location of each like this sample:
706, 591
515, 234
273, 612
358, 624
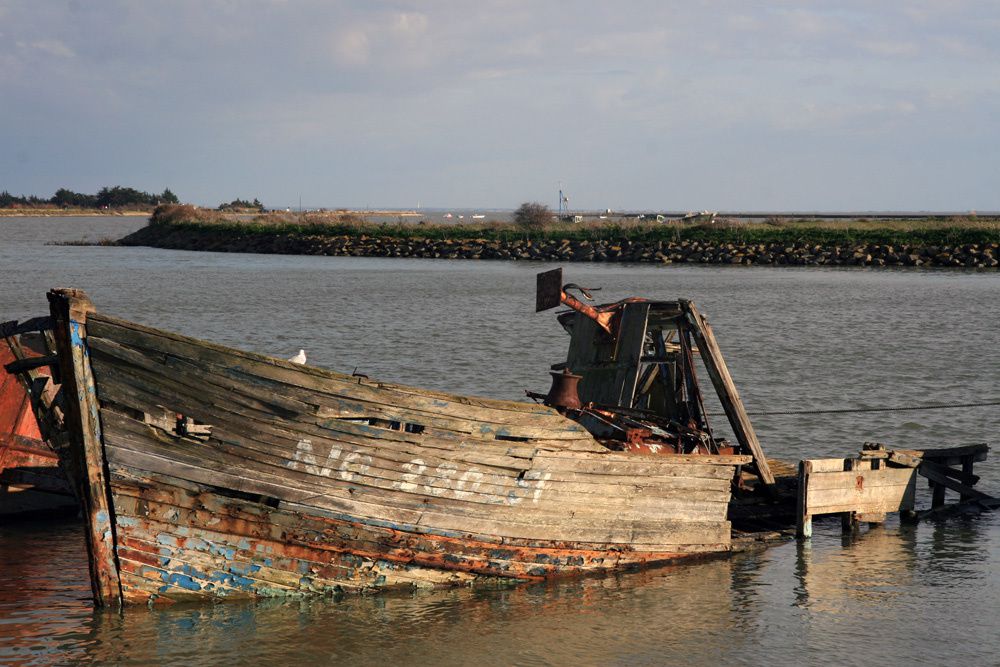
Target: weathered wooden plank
14, 328
979, 451
417, 521
871, 505
319, 454
385, 561
849, 479
868, 499
262, 522
70, 309
732, 404
934, 473
827, 465
556, 503
31, 363
242, 427
803, 519
237, 364
699, 459
175, 381
384, 502
263, 395
609, 466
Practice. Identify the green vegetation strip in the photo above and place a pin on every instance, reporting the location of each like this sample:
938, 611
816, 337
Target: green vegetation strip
942, 234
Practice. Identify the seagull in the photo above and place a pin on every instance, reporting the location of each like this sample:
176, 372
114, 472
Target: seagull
299, 358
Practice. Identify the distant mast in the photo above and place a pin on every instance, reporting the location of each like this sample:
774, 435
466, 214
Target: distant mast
563, 199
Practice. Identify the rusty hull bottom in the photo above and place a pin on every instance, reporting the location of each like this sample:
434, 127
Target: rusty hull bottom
177, 541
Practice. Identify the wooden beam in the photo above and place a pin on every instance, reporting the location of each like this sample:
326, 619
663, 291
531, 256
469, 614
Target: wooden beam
31, 363
942, 481
967, 476
69, 313
15, 328
803, 521
726, 388
950, 455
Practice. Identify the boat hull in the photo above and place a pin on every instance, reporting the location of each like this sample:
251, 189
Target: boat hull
216, 473
177, 542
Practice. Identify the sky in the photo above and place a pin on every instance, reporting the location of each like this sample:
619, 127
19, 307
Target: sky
722, 105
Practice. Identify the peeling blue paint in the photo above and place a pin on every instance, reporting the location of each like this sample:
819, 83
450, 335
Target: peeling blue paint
244, 568
183, 580
169, 540
225, 551
74, 334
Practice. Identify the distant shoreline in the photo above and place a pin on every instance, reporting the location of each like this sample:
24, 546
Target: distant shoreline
930, 244
68, 213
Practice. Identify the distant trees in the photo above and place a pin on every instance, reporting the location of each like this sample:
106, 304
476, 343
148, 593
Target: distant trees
242, 205
107, 197
66, 198
532, 216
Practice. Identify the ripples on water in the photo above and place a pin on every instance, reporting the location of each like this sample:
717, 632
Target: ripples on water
795, 339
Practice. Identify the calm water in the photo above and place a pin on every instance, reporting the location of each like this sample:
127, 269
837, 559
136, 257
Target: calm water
794, 339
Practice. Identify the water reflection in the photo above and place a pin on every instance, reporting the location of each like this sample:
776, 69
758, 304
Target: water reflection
872, 566
803, 599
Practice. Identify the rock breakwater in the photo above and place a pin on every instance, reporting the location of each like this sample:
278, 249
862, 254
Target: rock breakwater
970, 255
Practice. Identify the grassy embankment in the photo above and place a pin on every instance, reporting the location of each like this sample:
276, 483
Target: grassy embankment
917, 232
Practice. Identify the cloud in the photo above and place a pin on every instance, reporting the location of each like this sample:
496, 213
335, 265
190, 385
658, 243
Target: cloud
351, 47
408, 23
526, 87
50, 47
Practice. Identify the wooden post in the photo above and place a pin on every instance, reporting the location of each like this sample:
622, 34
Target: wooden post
803, 521
937, 494
726, 388
849, 519
69, 310
967, 463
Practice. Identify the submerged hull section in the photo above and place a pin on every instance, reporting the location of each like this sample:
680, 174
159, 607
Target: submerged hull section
230, 474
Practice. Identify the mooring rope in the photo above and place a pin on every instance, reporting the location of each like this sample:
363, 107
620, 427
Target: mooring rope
947, 406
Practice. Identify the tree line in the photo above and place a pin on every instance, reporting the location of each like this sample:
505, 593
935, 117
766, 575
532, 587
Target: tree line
106, 197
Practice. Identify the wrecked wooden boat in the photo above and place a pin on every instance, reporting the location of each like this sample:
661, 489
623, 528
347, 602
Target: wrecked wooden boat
32, 484
210, 472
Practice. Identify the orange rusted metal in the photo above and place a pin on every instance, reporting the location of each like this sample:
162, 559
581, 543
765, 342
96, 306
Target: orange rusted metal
31, 481
603, 318
563, 393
